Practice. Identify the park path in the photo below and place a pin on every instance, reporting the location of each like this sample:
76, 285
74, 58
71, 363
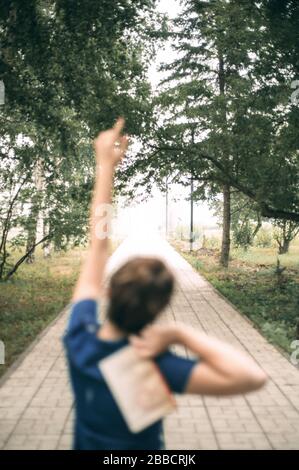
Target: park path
36, 402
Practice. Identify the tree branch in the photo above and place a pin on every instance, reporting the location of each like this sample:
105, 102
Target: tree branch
23, 258
266, 209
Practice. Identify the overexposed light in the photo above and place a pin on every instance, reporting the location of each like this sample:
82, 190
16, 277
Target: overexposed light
144, 220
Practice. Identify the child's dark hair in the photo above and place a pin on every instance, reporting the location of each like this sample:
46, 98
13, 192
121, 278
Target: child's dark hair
139, 291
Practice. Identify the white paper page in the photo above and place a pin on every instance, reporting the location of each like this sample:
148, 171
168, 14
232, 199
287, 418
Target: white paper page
138, 387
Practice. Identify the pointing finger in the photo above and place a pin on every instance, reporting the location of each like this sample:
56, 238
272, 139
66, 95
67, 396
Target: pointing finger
118, 126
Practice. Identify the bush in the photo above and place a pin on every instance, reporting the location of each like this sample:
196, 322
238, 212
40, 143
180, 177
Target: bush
243, 236
264, 238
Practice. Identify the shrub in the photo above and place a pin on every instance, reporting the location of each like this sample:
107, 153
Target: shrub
264, 238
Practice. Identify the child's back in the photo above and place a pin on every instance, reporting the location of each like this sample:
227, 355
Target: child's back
99, 422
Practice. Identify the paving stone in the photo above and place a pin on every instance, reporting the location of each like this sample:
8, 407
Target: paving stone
36, 404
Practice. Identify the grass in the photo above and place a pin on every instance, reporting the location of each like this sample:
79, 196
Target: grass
33, 298
250, 283
268, 256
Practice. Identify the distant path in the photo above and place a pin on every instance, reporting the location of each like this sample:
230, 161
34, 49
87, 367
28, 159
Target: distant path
36, 402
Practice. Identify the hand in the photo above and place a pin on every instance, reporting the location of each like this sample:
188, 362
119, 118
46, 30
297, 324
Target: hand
110, 146
154, 340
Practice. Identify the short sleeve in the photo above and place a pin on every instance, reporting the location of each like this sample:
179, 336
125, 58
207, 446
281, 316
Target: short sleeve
84, 315
80, 338
176, 370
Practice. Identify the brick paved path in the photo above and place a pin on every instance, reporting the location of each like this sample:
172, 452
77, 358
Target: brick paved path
36, 402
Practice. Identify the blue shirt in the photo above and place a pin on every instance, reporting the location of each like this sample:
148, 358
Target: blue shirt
99, 424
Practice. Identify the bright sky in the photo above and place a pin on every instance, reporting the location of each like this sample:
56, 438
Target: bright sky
150, 216
171, 7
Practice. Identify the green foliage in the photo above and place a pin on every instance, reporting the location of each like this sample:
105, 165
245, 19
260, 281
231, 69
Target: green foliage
246, 220
224, 111
284, 232
33, 299
69, 69
242, 235
264, 238
283, 17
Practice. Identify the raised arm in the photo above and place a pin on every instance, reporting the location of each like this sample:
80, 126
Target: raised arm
222, 370
110, 147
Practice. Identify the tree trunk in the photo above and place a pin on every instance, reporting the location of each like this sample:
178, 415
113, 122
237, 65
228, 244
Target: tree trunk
31, 236
6, 223
225, 246
47, 245
284, 247
226, 223
191, 217
34, 214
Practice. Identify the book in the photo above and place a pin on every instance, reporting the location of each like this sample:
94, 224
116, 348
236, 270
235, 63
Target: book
138, 388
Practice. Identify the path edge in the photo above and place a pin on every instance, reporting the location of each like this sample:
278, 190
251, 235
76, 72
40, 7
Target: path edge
30, 347
243, 315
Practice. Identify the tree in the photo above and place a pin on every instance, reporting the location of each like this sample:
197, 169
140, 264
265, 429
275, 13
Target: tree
283, 19
69, 68
246, 220
285, 231
234, 101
